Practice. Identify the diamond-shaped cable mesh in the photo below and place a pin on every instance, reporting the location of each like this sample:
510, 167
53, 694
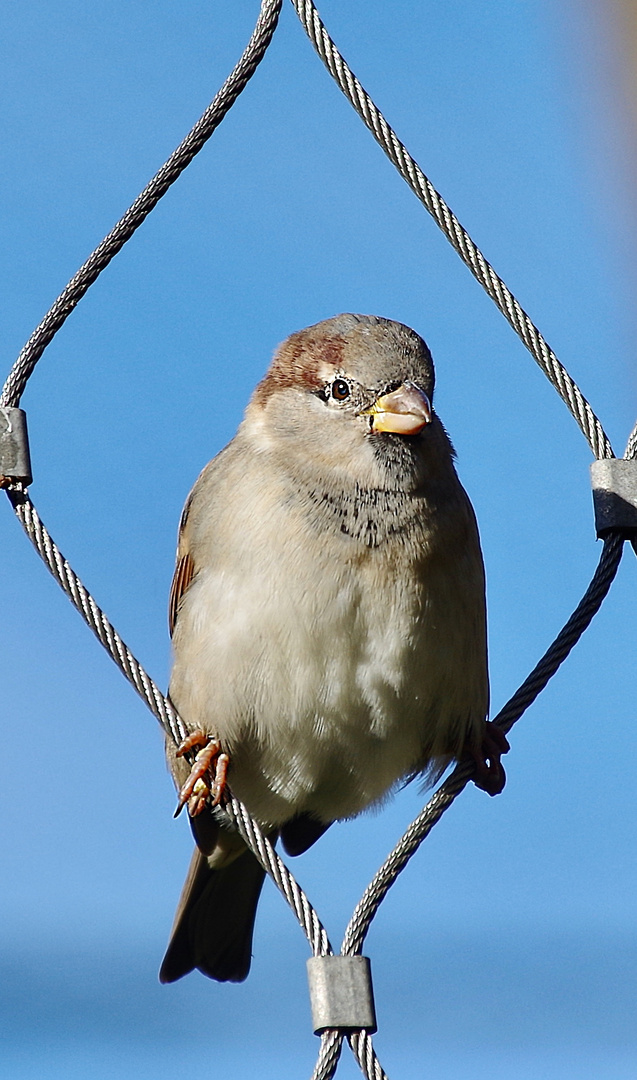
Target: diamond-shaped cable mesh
160, 706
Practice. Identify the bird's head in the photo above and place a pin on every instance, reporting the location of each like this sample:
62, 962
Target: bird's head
352, 395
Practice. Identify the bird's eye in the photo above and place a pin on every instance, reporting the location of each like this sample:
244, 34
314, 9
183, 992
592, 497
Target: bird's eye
340, 389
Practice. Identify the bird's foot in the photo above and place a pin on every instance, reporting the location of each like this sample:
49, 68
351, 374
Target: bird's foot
490, 775
207, 778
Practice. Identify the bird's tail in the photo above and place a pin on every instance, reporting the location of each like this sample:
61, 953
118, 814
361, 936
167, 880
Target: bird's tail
215, 920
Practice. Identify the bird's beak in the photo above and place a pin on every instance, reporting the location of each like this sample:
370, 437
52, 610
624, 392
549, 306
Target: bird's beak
404, 412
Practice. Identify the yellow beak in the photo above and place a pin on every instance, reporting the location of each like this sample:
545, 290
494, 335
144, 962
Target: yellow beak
404, 412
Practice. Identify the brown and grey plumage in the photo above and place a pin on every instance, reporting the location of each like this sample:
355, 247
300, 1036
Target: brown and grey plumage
328, 612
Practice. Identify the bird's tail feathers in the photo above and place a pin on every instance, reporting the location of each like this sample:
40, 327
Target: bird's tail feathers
214, 922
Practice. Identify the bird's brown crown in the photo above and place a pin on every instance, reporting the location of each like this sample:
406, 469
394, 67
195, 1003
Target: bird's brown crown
310, 358
302, 360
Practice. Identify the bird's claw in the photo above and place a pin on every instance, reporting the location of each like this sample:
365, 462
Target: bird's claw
489, 773
207, 777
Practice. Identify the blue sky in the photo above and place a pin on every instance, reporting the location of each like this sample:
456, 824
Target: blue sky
508, 946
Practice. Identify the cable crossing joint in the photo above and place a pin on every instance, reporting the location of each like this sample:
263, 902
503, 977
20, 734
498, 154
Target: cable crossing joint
341, 994
15, 460
614, 482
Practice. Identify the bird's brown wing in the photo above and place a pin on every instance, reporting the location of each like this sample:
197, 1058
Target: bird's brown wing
184, 570
184, 573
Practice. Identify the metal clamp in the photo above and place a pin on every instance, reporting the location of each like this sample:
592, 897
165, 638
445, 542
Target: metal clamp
341, 993
614, 482
15, 460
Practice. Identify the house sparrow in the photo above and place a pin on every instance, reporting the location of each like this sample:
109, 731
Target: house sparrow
328, 618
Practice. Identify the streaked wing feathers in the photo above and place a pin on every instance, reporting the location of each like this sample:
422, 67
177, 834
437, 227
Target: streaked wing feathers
184, 573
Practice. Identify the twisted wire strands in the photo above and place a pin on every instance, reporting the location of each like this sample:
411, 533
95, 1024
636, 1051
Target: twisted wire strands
631, 446
283, 879
362, 1049
329, 1054
458, 236
365, 1055
93, 615
144, 203
331, 1040
511, 712
629, 455
163, 710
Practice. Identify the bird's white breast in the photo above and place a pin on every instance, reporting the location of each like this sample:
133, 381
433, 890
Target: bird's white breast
328, 670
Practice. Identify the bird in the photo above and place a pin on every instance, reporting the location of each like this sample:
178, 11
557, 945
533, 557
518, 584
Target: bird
328, 619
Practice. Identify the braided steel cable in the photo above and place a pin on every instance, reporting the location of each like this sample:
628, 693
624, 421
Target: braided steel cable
281, 876
329, 1054
331, 1041
458, 237
93, 615
568, 636
630, 453
511, 712
145, 202
362, 1049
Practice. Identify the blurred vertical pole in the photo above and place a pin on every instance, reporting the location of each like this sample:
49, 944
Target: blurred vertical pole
622, 18
625, 15
604, 64
621, 35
